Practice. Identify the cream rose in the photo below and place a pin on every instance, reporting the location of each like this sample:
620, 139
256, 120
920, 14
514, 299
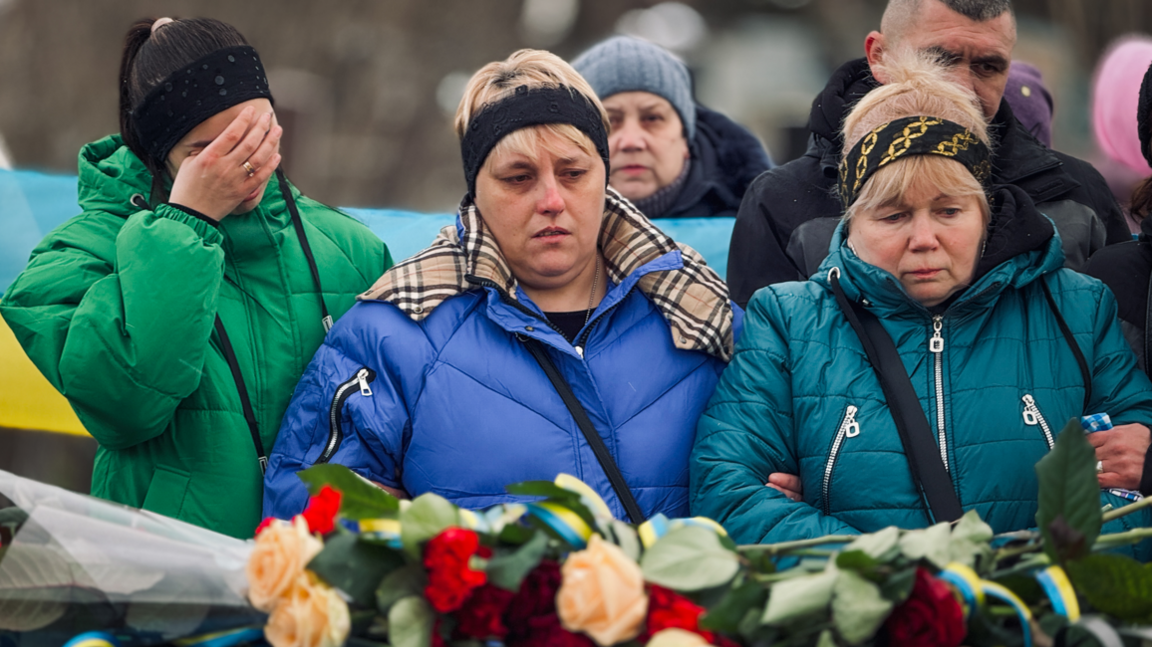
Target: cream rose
677, 638
602, 593
282, 551
312, 615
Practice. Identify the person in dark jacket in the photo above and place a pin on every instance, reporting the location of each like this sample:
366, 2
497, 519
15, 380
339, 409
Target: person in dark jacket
788, 215
1127, 270
178, 311
672, 157
445, 377
957, 273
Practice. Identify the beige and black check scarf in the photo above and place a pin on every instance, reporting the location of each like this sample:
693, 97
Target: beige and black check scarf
693, 299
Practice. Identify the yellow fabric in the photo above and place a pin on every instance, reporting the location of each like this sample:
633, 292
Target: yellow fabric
27, 400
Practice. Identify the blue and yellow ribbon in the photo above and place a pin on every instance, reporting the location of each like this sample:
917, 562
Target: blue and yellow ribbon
93, 639
1059, 590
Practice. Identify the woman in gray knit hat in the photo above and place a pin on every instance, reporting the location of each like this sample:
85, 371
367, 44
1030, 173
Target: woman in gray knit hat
672, 157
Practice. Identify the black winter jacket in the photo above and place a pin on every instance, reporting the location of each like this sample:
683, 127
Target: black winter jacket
725, 160
786, 220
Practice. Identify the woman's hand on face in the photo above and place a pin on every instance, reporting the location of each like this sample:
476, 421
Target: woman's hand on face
215, 180
789, 484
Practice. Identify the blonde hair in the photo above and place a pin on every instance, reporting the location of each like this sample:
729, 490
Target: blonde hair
536, 69
918, 85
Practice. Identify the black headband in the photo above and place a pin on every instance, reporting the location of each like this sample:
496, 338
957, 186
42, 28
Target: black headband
194, 93
911, 136
526, 108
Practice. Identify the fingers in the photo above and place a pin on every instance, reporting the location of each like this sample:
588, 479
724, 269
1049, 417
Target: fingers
786, 481
794, 496
1099, 438
261, 157
226, 141
258, 132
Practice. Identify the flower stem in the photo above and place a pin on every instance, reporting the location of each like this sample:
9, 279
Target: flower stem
1123, 538
785, 546
1116, 513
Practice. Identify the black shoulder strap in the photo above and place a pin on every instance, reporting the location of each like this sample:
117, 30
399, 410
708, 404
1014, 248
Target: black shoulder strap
1085, 373
1148, 329
915, 433
298, 225
619, 485
242, 389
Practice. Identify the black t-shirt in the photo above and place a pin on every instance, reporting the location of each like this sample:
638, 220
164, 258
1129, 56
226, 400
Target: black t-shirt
569, 323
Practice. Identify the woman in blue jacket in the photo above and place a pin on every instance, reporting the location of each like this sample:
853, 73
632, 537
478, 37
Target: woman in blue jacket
959, 282
439, 379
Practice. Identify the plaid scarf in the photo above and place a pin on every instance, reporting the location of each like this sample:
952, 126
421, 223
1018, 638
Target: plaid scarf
693, 298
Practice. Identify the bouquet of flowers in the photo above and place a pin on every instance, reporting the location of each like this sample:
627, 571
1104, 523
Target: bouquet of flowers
361, 568
71, 564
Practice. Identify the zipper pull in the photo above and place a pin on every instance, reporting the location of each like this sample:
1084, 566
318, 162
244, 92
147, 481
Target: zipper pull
327, 323
851, 427
362, 378
936, 344
1030, 411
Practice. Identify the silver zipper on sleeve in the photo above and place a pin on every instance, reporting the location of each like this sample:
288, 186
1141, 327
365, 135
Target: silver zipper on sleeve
360, 382
849, 428
936, 346
1033, 417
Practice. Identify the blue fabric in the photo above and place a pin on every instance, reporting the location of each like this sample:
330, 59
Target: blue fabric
36, 203
460, 408
799, 366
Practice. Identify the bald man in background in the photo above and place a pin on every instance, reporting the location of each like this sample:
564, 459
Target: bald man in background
788, 214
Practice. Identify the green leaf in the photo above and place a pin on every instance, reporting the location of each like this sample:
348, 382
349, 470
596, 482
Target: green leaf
689, 558
931, 543
354, 566
427, 517
858, 608
1069, 492
410, 623
1117, 585
798, 597
970, 539
626, 539
899, 584
727, 614
508, 571
401, 583
876, 545
826, 639
856, 560
359, 498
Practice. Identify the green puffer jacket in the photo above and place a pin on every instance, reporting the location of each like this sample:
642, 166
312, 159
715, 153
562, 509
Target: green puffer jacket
800, 396
117, 307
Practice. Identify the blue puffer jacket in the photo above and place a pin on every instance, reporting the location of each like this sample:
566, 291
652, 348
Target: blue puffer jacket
454, 404
801, 397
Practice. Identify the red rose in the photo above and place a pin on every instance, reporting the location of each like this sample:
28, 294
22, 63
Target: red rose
263, 524
450, 578
482, 615
668, 609
531, 617
321, 511
930, 617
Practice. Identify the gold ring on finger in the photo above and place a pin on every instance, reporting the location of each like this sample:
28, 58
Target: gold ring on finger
251, 170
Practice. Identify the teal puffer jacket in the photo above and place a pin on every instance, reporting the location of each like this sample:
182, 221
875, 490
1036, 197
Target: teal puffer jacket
800, 397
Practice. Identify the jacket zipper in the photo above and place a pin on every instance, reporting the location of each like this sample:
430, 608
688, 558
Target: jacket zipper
849, 428
580, 341
936, 347
1033, 417
360, 381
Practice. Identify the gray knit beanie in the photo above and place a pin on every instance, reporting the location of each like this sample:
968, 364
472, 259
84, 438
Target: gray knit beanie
626, 64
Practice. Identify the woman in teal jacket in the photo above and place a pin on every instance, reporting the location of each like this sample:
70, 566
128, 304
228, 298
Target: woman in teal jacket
957, 281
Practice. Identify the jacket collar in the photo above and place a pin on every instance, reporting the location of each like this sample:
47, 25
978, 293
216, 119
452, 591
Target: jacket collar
1017, 157
1022, 245
465, 257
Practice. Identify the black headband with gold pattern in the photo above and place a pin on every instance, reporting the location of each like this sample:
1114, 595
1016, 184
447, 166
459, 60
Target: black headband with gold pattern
893, 140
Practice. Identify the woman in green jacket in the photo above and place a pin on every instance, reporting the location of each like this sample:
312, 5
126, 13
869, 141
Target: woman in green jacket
178, 311
958, 276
